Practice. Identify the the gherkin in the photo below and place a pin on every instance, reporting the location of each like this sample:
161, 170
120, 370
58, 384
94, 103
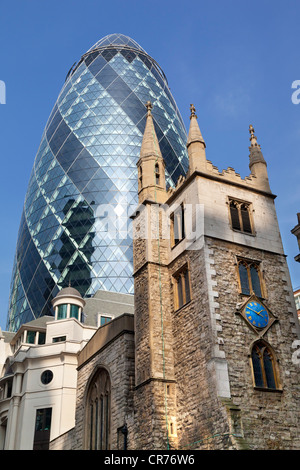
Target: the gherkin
87, 161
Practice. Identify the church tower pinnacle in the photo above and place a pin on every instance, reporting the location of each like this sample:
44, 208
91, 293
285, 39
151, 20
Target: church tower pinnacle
195, 144
257, 164
151, 165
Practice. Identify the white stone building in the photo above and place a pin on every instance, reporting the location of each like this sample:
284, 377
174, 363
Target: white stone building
38, 369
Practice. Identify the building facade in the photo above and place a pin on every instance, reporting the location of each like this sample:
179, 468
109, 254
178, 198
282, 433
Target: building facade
205, 359
211, 348
38, 363
216, 323
84, 178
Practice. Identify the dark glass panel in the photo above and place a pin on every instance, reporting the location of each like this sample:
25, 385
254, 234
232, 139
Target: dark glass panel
62, 311
109, 54
119, 90
97, 65
106, 76
46, 377
187, 286
158, 76
129, 55
246, 219
91, 57
146, 61
30, 337
244, 279
69, 151
134, 108
74, 311
53, 122
269, 370
235, 220
59, 137
255, 281
257, 370
180, 291
42, 338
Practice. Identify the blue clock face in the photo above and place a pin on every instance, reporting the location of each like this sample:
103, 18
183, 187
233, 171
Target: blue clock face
256, 314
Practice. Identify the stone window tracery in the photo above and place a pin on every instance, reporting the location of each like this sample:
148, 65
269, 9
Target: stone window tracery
264, 366
240, 215
250, 278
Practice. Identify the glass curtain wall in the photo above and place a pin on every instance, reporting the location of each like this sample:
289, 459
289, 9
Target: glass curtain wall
84, 170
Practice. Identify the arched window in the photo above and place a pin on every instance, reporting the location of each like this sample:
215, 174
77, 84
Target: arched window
264, 366
250, 277
97, 432
240, 216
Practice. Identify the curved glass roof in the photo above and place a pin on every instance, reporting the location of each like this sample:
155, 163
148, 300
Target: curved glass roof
117, 39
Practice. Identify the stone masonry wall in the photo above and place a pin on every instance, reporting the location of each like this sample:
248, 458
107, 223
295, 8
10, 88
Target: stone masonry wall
270, 419
118, 359
201, 416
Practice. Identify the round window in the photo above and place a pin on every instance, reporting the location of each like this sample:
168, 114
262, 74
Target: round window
46, 377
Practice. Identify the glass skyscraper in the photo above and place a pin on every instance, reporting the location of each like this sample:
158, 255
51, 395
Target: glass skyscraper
85, 166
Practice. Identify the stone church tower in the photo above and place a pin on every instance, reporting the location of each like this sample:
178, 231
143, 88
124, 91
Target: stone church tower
210, 358
215, 318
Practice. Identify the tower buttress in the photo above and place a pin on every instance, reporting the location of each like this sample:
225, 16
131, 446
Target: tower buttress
195, 145
155, 387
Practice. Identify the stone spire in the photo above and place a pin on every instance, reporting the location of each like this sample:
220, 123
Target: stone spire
257, 163
150, 145
151, 165
195, 144
255, 150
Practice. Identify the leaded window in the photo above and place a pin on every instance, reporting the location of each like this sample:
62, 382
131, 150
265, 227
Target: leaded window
182, 288
250, 277
240, 216
263, 366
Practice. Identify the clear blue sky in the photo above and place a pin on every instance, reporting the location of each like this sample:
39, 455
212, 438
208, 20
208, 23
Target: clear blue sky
235, 60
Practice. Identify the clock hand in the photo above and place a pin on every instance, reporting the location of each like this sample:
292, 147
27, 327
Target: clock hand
258, 313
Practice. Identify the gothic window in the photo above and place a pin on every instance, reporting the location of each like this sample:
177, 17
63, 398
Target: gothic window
182, 289
240, 216
98, 412
250, 277
263, 366
177, 225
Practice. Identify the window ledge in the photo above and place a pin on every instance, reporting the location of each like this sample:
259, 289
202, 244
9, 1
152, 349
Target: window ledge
244, 233
272, 390
177, 243
183, 306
